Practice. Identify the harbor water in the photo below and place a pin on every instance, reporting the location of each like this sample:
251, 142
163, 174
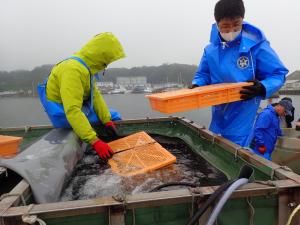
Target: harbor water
27, 111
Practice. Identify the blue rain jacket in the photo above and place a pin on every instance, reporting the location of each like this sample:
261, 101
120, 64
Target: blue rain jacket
247, 57
266, 131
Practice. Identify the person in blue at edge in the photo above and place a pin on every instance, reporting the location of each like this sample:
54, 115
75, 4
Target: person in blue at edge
267, 128
238, 52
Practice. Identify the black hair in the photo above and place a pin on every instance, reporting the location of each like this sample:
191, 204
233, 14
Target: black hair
229, 8
288, 99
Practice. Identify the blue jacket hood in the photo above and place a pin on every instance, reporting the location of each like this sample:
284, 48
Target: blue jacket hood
250, 36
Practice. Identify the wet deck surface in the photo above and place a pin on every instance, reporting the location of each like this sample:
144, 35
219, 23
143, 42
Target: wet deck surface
92, 177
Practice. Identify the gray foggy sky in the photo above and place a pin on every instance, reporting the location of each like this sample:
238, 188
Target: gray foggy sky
37, 32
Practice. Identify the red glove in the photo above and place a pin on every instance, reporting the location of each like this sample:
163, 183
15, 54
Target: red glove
102, 149
262, 149
110, 124
111, 129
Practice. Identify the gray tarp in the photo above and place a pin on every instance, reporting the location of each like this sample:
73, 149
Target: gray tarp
48, 163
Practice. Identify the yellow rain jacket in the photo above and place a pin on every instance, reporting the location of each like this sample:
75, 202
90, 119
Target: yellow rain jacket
69, 83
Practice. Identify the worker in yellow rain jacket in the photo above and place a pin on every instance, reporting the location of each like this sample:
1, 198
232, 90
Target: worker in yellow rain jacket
67, 95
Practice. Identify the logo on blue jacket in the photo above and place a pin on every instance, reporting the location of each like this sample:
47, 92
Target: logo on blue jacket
243, 62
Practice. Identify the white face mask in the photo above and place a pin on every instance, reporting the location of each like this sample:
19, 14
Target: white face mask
230, 36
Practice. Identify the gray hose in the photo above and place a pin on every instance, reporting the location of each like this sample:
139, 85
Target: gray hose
224, 199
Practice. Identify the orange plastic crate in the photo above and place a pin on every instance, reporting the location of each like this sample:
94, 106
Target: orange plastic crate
144, 156
131, 141
9, 145
188, 99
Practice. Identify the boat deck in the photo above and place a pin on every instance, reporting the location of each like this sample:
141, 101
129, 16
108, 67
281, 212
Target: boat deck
273, 191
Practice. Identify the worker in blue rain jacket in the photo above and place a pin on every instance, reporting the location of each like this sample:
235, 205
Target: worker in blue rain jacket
238, 52
267, 127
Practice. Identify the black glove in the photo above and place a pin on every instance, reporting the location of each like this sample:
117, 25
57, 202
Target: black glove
257, 89
193, 86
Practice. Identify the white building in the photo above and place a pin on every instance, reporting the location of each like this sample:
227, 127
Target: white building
291, 85
131, 81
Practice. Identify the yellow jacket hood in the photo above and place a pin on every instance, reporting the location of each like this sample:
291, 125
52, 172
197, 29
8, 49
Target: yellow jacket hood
100, 51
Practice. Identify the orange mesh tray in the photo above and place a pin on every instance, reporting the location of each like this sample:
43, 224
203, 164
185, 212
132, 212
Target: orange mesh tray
140, 159
9, 145
188, 99
131, 141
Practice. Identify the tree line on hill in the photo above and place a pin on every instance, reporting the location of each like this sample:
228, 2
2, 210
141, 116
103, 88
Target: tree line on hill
174, 73
27, 80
